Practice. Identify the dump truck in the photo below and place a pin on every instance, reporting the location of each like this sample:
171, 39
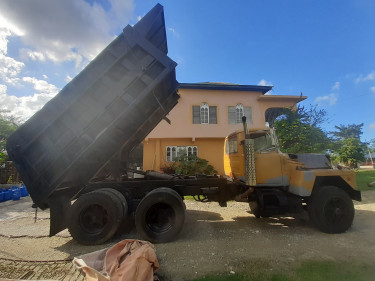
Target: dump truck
70, 154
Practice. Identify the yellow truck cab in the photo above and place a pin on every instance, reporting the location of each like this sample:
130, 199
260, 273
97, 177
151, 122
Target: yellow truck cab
279, 183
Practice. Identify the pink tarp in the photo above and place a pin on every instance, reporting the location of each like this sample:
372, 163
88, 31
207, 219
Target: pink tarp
127, 260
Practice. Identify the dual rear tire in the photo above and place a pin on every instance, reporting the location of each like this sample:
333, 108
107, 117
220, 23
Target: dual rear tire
160, 216
96, 216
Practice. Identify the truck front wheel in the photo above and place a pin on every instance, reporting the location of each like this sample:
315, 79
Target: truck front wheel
95, 217
331, 210
160, 215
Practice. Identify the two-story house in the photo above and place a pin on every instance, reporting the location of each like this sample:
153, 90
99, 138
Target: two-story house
205, 115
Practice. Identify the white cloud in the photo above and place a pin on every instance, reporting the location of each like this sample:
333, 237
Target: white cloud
27, 54
372, 89
10, 69
330, 100
24, 107
68, 79
336, 86
264, 83
372, 126
69, 30
368, 77
6, 25
41, 85
4, 33
53, 30
173, 31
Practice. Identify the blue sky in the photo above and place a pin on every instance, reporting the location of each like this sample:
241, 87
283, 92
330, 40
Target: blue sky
324, 49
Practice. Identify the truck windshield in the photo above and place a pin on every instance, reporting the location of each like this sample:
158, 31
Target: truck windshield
263, 142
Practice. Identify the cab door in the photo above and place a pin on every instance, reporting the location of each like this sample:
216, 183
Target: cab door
234, 159
268, 161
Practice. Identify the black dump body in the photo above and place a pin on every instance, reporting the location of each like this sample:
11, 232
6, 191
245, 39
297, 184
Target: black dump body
112, 105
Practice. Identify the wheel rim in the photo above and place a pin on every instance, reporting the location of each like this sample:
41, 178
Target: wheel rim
160, 218
93, 219
335, 210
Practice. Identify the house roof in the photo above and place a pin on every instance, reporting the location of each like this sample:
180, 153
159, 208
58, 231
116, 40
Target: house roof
225, 86
282, 98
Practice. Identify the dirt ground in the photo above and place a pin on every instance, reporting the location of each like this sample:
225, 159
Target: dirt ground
214, 239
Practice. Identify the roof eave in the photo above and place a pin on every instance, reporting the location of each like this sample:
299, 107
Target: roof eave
225, 87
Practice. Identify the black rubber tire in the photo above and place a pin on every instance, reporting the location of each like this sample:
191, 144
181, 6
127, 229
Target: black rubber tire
254, 209
160, 216
126, 222
95, 217
331, 210
121, 199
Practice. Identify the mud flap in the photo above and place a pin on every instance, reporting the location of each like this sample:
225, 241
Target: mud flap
59, 210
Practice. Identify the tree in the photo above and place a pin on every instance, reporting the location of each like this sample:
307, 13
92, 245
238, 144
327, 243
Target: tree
7, 126
347, 145
345, 132
371, 145
351, 152
298, 130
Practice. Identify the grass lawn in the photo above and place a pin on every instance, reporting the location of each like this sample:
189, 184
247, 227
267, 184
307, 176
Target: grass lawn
363, 178
307, 271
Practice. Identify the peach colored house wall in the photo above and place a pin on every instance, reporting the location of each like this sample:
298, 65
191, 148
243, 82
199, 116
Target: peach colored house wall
182, 116
154, 151
208, 137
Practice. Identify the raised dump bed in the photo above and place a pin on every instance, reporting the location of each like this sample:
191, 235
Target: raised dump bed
113, 104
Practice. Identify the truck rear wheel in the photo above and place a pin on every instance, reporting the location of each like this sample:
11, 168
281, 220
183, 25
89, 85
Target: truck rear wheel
160, 215
125, 222
331, 210
95, 217
120, 197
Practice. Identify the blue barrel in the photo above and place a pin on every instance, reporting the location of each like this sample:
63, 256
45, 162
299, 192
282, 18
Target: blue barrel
16, 194
24, 192
1, 196
7, 194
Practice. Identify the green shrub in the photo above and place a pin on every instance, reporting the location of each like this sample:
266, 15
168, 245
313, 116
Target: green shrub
189, 165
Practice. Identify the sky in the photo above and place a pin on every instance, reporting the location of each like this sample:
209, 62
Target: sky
324, 49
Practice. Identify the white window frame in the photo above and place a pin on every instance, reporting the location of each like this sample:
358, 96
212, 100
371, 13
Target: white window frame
172, 151
235, 114
205, 113
239, 113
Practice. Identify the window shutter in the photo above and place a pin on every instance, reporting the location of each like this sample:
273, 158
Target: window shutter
213, 115
196, 114
231, 114
247, 113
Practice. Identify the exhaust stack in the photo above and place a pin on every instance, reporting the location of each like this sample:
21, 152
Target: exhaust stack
249, 156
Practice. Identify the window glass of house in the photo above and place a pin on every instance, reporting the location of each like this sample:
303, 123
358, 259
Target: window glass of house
235, 114
176, 151
204, 113
239, 113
